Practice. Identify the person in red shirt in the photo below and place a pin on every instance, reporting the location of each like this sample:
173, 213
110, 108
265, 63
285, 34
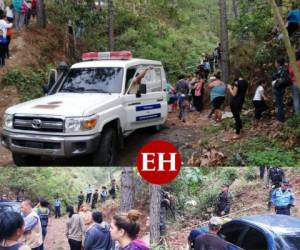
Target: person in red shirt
294, 87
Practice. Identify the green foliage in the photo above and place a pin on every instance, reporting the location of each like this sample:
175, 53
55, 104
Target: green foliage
228, 175
250, 173
207, 198
212, 129
169, 31
291, 130
256, 20
28, 83
51, 181
260, 151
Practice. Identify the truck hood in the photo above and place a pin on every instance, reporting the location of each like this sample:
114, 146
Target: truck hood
63, 104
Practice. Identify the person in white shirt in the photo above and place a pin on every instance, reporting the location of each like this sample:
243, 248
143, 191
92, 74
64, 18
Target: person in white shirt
9, 13
259, 101
4, 25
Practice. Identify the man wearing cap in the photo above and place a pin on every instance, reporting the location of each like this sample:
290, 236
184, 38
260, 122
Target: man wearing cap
211, 240
223, 202
283, 199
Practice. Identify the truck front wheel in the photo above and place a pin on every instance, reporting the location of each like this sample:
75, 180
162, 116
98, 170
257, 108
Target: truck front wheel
26, 160
106, 153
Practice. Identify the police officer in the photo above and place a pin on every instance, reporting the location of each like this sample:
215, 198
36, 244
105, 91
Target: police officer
283, 199
223, 202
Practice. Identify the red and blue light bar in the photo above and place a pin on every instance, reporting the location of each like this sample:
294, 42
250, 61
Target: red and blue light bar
111, 55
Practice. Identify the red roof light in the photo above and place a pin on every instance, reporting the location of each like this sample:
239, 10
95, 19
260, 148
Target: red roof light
113, 55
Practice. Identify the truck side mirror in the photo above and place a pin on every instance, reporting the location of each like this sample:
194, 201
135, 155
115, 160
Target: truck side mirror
52, 78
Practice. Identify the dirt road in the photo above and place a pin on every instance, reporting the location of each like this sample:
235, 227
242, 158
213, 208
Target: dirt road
182, 135
55, 238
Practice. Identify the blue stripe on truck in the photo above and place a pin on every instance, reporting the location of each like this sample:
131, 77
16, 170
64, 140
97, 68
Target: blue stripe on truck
148, 107
148, 117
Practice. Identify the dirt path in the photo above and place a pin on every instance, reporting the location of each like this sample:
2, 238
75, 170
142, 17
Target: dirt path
182, 135
55, 238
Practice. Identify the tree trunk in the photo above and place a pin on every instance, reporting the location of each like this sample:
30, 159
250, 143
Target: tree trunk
41, 14
287, 42
155, 202
127, 189
235, 7
224, 41
111, 25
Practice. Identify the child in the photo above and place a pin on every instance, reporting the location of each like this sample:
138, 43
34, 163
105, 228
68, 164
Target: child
259, 101
3, 44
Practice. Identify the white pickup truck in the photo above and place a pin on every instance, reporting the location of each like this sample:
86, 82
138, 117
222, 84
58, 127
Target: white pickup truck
88, 110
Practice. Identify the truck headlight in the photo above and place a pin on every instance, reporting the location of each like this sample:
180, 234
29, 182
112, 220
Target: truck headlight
80, 124
8, 121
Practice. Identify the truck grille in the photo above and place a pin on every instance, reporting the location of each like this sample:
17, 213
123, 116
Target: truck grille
39, 124
34, 144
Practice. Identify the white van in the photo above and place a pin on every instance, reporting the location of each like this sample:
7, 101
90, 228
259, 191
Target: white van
88, 110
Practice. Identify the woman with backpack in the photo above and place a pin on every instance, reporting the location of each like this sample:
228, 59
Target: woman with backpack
279, 90
11, 230
43, 212
75, 229
125, 228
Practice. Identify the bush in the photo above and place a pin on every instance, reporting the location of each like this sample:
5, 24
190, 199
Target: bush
207, 198
228, 175
250, 173
29, 83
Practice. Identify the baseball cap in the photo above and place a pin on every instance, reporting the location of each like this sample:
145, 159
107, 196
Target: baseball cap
285, 182
216, 221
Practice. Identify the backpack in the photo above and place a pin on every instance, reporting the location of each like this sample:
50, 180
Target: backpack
283, 80
43, 217
276, 175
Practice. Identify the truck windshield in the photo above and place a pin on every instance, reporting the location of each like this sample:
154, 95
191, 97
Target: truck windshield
93, 80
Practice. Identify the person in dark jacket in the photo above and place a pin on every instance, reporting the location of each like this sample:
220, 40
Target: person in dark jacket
238, 92
95, 199
80, 200
278, 90
223, 202
182, 89
97, 237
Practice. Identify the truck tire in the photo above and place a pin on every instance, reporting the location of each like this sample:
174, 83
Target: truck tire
106, 153
26, 160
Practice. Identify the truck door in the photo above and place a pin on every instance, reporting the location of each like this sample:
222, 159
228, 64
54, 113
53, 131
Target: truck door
147, 109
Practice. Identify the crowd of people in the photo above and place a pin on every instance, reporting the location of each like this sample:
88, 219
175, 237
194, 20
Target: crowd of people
14, 14
84, 229
188, 95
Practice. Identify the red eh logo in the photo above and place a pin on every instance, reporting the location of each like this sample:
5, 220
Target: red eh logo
158, 162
